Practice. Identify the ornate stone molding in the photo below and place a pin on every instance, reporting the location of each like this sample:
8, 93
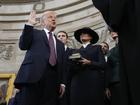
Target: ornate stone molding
72, 15
7, 50
39, 6
20, 1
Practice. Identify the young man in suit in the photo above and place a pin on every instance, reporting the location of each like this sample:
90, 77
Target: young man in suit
114, 65
63, 37
40, 76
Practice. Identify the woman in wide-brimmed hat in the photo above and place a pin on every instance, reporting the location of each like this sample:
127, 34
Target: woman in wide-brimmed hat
86, 31
87, 85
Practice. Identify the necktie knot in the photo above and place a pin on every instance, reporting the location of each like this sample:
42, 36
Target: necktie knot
50, 33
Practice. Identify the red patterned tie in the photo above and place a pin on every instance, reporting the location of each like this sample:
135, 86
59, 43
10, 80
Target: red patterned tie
52, 59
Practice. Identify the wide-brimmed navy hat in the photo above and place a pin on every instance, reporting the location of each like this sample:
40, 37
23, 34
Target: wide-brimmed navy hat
86, 30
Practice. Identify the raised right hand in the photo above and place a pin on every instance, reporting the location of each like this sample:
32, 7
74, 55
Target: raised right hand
32, 18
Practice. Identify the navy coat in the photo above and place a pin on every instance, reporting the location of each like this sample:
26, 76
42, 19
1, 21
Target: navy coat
36, 77
87, 85
37, 56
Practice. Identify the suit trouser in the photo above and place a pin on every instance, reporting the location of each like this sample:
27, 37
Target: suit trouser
115, 94
45, 92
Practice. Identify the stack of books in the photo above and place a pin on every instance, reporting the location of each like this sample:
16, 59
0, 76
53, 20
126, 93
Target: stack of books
75, 56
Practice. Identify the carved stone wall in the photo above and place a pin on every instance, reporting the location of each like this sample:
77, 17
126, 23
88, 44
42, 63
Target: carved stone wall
72, 15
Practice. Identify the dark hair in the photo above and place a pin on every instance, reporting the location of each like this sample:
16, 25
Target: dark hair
110, 29
105, 43
63, 32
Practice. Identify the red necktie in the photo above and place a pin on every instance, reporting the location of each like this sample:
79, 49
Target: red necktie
52, 59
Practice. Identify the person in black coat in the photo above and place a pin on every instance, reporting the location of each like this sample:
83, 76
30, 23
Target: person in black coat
123, 16
87, 84
63, 37
114, 64
105, 50
39, 78
107, 73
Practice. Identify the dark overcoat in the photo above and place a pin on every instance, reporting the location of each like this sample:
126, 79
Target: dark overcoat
124, 18
87, 85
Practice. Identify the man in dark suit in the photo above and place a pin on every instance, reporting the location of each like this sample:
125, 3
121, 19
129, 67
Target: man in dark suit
114, 65
40, 75
63, 37
124, 18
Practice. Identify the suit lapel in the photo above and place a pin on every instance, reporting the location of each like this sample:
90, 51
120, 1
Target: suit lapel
67, 52
45, 38
58, 49
84, 51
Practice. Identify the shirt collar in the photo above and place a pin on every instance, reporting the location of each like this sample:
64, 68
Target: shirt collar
85, 44
66, 47
47, 31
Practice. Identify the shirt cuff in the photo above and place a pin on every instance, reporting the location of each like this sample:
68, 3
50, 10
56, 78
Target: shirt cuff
63, 85
29, 24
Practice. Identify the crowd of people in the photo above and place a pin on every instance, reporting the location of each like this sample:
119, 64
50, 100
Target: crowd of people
48, 76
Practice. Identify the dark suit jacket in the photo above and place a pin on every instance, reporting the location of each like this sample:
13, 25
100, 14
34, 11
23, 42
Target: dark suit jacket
67, 77
68, 52
37, 56
114, 63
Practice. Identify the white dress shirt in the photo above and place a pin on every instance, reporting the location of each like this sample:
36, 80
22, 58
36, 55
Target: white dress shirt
47, 33
85, 44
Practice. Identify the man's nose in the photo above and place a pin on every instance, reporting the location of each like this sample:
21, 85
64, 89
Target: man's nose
53, 19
